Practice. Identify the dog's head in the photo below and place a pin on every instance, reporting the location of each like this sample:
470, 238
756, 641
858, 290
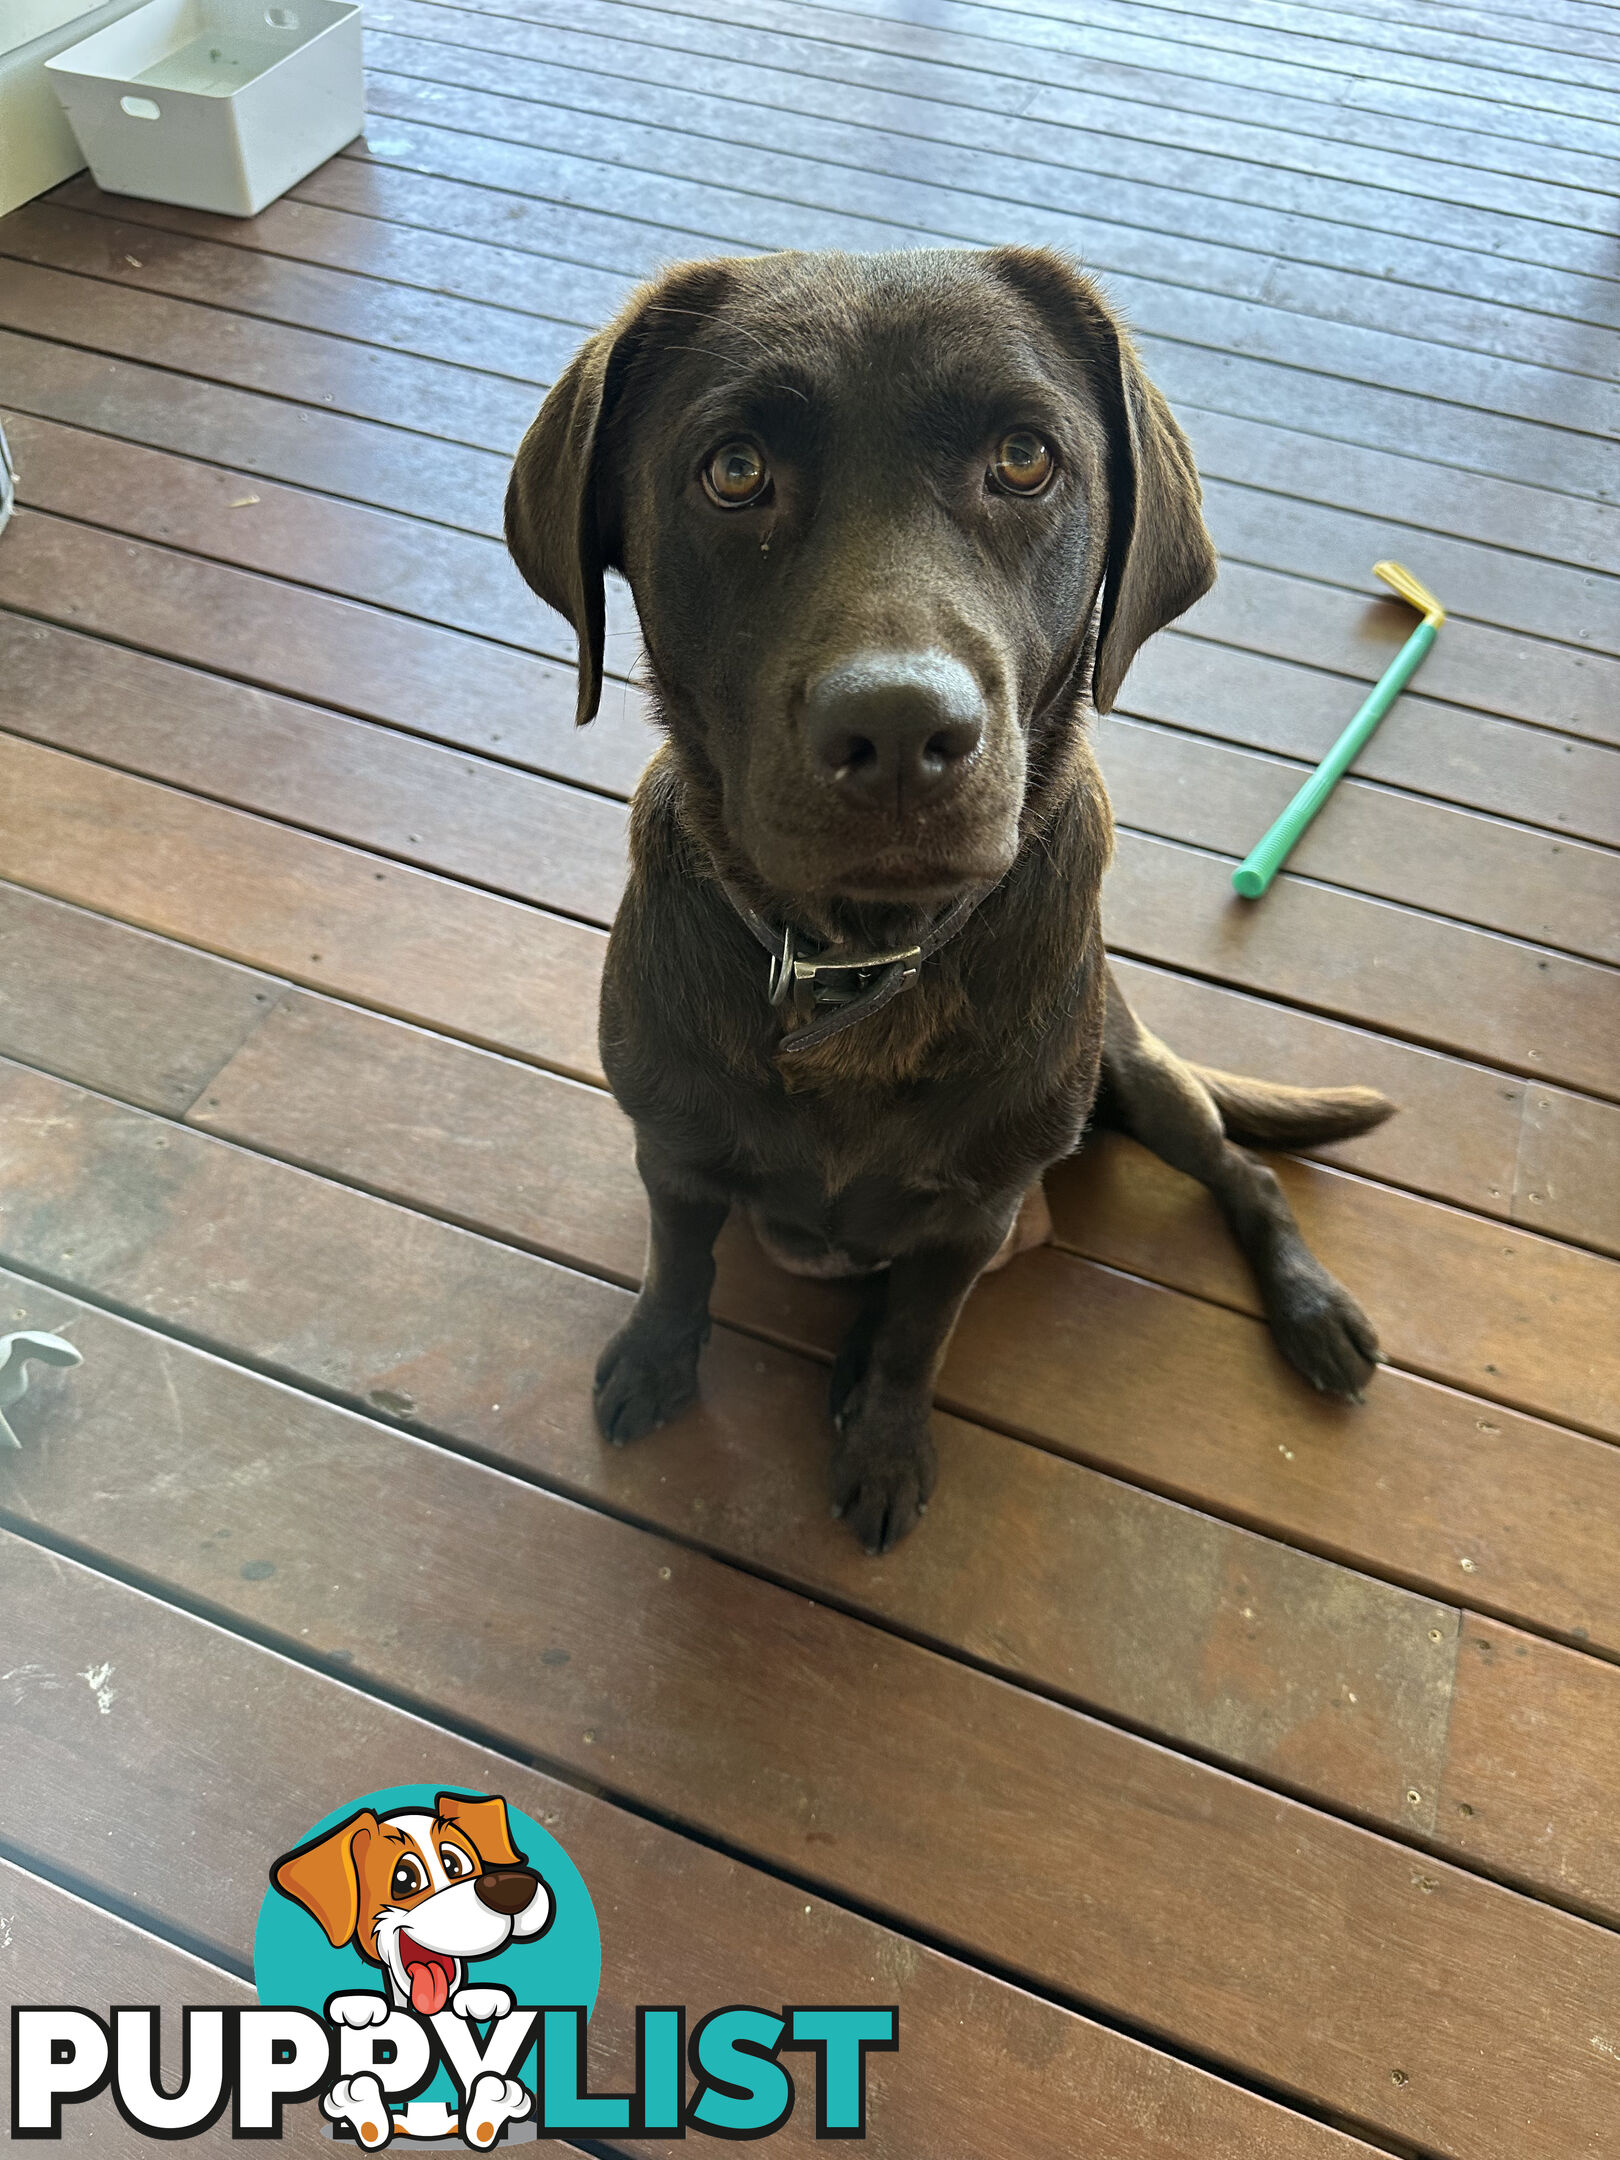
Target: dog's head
420, 1893
867, 506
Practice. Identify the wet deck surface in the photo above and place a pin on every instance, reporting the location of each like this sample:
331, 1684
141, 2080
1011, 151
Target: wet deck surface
1216, 1766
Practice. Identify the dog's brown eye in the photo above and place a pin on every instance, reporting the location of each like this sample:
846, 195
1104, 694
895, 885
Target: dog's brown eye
455, 1864
736, 475
1023, 463
407, 1879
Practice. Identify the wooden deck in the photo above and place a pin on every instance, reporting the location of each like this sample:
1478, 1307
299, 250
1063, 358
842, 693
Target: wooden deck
1218, 1774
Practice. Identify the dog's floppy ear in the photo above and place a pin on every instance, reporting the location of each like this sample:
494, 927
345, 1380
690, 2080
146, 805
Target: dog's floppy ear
486, 1823
561, 523
552, 530
1160, 558
324, 1876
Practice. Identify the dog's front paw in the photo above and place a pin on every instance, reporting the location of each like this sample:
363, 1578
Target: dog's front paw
481, 2003
493, 2101
359, 2102
883, 1471
358, 2010
1323, 1333
644, 1378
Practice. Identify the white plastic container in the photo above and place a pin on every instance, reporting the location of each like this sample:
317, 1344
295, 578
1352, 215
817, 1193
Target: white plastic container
215, 104
37, 147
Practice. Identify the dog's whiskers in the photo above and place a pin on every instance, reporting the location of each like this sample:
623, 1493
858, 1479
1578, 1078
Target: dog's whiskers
753, 337
701, 315
725, 359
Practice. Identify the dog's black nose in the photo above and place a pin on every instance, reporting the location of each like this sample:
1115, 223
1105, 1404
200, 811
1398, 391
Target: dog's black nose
506, 1890
893, 730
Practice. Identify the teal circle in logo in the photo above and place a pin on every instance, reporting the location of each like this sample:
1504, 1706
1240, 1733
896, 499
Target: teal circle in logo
295, 1963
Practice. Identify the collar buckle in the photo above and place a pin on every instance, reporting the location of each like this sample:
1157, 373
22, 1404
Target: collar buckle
832, 989
837, 980
818, 982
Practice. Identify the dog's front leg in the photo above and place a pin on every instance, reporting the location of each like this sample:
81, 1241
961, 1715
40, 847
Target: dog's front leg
648, 1372
882, 1390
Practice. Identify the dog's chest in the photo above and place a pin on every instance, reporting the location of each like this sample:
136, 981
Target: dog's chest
812, 1231
840, 1194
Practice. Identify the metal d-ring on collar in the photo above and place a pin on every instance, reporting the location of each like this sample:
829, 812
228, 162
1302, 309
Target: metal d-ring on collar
831, 988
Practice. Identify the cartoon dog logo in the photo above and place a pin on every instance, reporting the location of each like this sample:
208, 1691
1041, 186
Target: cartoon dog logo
421, 1895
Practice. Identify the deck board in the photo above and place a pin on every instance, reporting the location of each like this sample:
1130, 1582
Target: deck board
1238, 55
1439, 1968
1185, 199
1281, 1737
1163, 107
113, 1791
1090, 131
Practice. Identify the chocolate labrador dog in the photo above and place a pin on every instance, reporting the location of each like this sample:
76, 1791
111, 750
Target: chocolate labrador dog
893, 525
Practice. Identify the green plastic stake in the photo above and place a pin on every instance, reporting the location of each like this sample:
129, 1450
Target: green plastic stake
1272, 850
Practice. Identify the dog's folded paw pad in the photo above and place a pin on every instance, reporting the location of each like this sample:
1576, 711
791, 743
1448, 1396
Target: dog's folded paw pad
481, 2003
358, 2010
493, 2102
359, 2102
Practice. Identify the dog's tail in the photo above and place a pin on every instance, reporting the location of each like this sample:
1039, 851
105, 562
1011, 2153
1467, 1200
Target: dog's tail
1263, 1113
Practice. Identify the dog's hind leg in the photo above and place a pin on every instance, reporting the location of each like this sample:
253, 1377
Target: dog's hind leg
1032, 1226
1190, 1117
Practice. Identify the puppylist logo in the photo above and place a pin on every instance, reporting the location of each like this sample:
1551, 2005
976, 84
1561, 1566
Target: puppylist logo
427, 1963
